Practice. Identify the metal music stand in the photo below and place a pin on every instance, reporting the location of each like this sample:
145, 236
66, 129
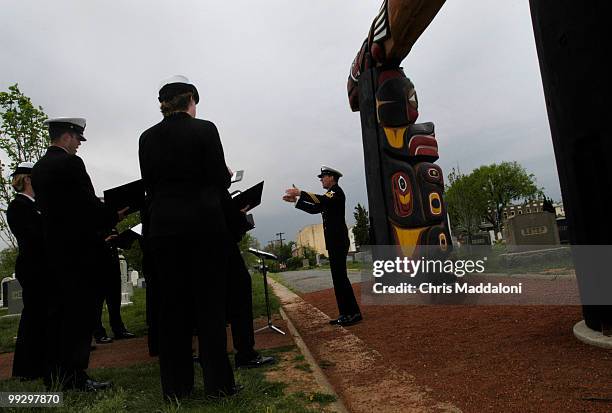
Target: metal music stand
264, 270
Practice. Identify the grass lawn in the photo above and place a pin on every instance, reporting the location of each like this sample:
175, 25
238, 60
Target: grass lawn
134, 315
137, 389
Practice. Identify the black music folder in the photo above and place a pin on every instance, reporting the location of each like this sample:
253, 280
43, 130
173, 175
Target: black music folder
125, 239
130, 195
250, 197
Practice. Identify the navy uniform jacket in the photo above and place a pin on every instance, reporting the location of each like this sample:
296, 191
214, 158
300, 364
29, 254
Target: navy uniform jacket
73, 216
25, 222
331, 206
185, 178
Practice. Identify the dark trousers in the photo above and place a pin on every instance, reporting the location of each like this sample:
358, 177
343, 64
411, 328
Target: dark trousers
240, 300
71, 319
29, 358
345, 298
192, 292
110, 291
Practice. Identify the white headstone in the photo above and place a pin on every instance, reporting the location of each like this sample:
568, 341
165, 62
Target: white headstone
123, 268
134, 277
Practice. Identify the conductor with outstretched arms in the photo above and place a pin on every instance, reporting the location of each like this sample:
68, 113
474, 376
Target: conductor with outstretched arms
331, 206
185, 178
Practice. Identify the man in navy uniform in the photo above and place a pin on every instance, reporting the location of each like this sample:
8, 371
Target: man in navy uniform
185, 178
73, 218
25, 223
331, 206
240, 291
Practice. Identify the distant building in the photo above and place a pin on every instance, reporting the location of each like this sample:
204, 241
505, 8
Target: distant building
531, 207
312, 236
520, 209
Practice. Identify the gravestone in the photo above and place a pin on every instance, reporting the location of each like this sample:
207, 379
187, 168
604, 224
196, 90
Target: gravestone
539, 228
481, 239
127, 289
4, 291
305, 263
141, 283
134, 277
14, 297
563, 230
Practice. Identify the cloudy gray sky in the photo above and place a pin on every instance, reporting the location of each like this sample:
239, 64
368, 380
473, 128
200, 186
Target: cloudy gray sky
272, 76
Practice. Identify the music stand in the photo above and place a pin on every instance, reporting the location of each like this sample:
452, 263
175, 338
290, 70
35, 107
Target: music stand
263, 255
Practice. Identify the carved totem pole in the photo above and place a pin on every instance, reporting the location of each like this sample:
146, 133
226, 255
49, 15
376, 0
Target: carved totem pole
405, 187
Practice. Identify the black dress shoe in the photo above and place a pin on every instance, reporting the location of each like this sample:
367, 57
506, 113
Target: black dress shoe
121, 335
336, 321
258, 361
90, 385
349, 320
103, 340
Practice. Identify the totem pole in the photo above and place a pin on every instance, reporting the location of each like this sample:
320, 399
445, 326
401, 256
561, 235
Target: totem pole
405, 187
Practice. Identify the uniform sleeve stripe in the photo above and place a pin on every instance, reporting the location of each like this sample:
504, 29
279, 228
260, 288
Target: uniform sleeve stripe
314, 198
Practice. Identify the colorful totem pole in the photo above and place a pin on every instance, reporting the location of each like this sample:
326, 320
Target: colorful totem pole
405, 187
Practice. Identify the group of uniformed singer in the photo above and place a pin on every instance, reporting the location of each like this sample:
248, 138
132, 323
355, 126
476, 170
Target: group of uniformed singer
190, 231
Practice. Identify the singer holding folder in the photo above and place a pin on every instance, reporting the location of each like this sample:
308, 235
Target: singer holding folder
185, 177
73, 217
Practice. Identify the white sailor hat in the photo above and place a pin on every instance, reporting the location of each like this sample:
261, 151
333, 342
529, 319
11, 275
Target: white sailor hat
176, 85
75, 124
326, 170
24, 168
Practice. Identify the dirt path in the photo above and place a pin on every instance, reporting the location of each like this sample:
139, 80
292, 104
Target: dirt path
359, 374
482, 358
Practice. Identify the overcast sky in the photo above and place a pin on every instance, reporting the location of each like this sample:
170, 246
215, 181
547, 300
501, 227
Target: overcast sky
272, 77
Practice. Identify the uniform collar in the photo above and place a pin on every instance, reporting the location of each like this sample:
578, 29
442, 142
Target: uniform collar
55, 148
178, 115
27, 196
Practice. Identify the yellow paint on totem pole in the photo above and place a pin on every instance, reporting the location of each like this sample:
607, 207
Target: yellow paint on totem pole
435, 210
395, 137
443, 242
407, 239
404, 199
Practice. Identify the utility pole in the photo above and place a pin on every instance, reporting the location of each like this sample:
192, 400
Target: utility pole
280, 237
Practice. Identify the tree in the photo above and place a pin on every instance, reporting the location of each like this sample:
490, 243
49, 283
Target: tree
133, 255
466, 203
283, 252
8, 257
361, 230
248, 241
22, 138
502, 184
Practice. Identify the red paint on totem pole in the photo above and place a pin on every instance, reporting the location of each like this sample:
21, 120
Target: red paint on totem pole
425, 146
378, 52
402, 194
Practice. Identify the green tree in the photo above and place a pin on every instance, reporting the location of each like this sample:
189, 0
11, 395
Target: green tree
501, 184
466, 203
361, 230
22, 138
311, 254
133, 255
8, 256
248, 241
